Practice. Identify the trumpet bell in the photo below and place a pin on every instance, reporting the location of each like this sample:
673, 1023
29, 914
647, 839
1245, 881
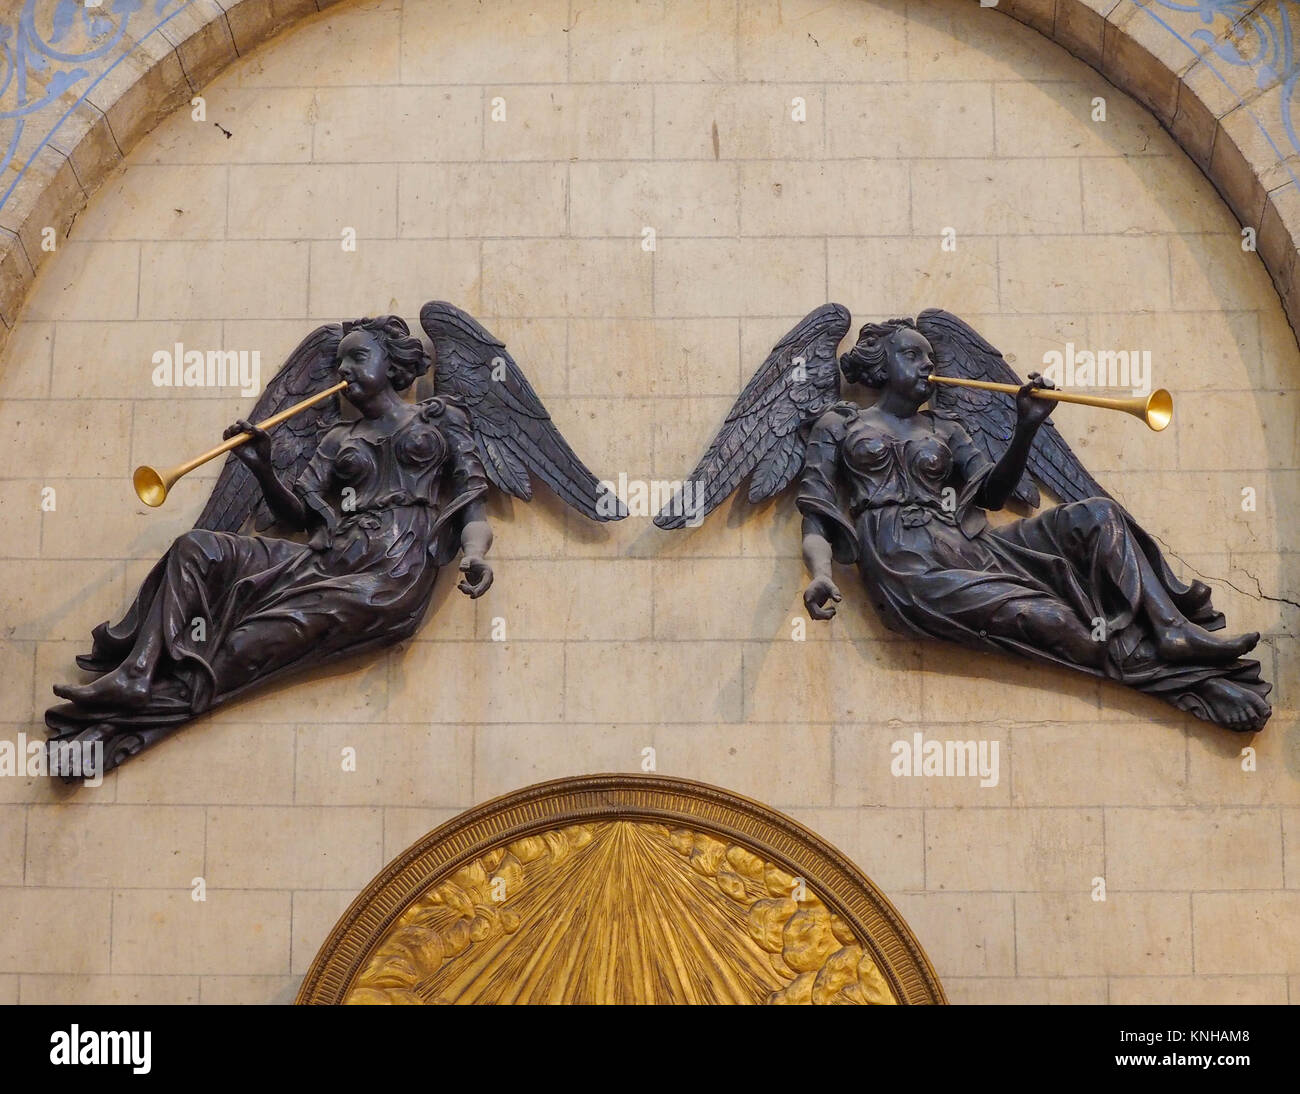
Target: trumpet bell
150, 487
1159, 409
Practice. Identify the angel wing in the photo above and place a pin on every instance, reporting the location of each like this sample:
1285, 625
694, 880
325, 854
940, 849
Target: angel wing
765, 433
309, 368
513, 431
990, 417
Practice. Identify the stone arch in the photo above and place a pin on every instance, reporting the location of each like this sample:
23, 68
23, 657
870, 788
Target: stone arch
1217, 75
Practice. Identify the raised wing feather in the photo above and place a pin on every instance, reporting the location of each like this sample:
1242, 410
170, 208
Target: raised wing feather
514, 433
990, 416
308, 369
764, 434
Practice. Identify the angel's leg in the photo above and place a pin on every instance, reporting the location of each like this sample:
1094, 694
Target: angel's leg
1098, 530
127, 686
192, 561
1231, 705
1177, 637
1049, 625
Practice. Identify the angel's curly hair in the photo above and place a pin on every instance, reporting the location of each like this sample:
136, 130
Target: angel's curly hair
407, 357
865, 362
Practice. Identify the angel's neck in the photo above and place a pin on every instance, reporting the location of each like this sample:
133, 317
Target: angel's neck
384, 404
900, 406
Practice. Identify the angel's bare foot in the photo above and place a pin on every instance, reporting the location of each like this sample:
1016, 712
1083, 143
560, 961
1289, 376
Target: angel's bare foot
117, 690
1233, 706
1188, 642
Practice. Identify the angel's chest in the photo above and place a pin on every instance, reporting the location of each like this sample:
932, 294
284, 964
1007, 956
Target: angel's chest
874, 453
410, 453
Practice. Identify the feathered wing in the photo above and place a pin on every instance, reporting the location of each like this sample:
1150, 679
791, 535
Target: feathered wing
513, 431
309, 369
990, 416
765, 433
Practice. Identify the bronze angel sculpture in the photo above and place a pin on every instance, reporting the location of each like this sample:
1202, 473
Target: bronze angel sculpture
386, 497
902, 491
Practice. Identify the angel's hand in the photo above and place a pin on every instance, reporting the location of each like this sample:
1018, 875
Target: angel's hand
815, 597
1033, 411
477, 579
256, 452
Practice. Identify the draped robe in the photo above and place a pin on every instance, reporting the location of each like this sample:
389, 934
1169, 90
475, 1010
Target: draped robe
234, 611
903, 508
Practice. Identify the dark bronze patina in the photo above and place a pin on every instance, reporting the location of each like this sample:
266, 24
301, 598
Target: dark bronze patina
384, 499
902, 492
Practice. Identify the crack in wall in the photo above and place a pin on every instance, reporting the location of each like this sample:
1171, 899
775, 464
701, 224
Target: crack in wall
1259, 593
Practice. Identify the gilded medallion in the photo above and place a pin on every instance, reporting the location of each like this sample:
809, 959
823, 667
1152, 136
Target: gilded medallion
621, 889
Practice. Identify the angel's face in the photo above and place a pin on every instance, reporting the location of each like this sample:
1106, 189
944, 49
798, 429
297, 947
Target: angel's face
909, 362
363, 363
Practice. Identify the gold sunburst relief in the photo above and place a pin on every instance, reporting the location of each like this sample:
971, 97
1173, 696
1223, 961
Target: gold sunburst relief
621, 889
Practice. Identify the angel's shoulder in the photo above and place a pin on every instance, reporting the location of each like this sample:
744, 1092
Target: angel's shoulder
335, 435
838, 416
945, 426
444, 409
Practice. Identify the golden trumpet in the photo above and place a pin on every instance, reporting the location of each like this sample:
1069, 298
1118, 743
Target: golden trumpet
1156, 409
153, 486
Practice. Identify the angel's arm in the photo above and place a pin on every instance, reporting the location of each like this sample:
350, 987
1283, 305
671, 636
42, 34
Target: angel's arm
476, 535
468, 474
315, 482
287, 506
1000, 483
255, 454
827, 534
